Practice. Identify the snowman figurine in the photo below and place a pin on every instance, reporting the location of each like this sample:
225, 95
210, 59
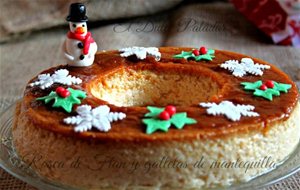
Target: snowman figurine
79, 47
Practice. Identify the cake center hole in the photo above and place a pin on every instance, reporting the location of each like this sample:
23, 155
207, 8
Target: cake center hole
128, 87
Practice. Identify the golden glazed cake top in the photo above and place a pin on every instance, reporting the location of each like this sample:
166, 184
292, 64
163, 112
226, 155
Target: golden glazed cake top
129, 85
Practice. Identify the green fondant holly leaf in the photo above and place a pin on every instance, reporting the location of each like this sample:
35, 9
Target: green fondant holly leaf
269, 92
252, 86
154, 124
188, 55
179, 120
206, 57
154, 111
282, 87
210, 51
184, 55
65, 103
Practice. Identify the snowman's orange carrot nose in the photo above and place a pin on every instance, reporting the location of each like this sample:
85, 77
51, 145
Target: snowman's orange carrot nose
79, 30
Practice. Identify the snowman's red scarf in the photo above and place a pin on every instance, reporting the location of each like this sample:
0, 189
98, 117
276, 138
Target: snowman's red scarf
86, 40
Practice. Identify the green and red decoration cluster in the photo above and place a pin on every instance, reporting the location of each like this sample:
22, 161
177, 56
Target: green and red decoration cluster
266, 89
64, 98
197, 54
162, 119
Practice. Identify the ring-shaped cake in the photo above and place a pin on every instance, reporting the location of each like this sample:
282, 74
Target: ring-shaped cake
132, 86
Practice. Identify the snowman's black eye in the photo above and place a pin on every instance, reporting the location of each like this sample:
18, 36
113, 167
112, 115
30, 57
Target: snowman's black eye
74, 25
83, 25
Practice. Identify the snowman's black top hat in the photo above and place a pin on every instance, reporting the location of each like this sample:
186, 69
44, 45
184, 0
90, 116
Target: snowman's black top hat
77, 13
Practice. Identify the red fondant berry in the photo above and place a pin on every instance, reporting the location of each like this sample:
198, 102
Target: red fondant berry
164, 115
171, 110
203, 50
65, 93
62, 92
269, 84
263, 87
196, 52
59, 90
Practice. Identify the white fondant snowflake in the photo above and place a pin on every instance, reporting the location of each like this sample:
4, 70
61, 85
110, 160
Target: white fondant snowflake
60, 76
231, 111
99, 117
246, 66
141, 52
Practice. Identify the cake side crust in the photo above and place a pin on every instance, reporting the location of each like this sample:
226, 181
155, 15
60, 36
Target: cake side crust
38, 146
